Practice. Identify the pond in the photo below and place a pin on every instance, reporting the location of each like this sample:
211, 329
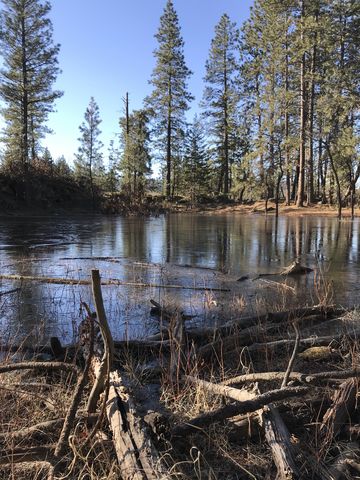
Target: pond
195, 253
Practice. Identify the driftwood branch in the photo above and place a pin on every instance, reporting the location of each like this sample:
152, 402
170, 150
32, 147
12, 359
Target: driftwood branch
278, 439
237, 408
76, 281
301, 377
67, 367
108, 356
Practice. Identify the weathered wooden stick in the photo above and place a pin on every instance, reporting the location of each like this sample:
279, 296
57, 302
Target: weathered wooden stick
108, 356
237, 408
304, 342
116, 282
293, 356
67, 367
41, 430
219, 389
30, 454
301, 377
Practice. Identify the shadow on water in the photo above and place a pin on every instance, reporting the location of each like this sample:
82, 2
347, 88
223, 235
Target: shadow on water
188, 250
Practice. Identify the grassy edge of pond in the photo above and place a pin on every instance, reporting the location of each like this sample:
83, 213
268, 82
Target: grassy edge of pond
163, 378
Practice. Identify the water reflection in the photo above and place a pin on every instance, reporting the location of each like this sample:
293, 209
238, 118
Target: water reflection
175, 249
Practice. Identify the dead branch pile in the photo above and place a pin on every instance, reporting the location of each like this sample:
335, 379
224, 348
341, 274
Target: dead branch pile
280, 386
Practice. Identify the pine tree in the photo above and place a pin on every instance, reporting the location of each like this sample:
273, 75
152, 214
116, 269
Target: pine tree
195, 168
29, 70
221, 96
88, 163
112, 174
135, 163
170, 97
339, 96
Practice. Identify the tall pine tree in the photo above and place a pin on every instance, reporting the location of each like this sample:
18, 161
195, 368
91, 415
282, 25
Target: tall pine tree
195, 169
170, 97
27, 77
221, 95
135, 161
88, 163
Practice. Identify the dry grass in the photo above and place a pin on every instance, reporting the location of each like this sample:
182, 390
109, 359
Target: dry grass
220, 451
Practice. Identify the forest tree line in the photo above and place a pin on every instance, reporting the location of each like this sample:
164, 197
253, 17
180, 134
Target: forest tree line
279, 115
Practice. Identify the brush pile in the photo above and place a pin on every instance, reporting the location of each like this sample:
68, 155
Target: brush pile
265, 397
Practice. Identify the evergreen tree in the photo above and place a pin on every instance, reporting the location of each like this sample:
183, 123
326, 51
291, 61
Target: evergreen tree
135, 163
88, 163
221, 95
195, 169
112, 175
170, 97
27, 76
62, 168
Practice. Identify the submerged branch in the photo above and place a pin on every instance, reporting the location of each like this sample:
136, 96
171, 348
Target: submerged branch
115, 282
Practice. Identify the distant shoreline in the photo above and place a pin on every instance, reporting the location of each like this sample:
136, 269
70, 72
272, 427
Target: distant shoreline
256, 208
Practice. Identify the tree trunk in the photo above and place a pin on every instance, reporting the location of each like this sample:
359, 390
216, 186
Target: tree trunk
301, 179
168, 145
310, 162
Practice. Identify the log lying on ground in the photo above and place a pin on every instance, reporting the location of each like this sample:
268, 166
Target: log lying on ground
272, 317
295, 268
301, 377
304, 342
231, 342
276, 432
339, 413
233, 409
278, 439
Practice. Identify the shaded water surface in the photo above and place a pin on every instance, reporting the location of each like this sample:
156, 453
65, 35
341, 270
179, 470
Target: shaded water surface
185, 250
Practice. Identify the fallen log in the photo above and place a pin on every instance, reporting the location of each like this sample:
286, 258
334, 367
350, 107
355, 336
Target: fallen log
304, 342
295, 268
231, 342
219, 389
272, 317
233, 409
301, 377
278, 439
339, 413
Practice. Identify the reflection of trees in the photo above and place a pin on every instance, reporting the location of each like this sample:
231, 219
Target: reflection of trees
134, 238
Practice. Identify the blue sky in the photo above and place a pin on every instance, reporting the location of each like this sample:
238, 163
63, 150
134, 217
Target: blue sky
106, 50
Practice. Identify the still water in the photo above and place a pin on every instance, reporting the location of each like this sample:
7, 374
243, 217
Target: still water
189, 250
